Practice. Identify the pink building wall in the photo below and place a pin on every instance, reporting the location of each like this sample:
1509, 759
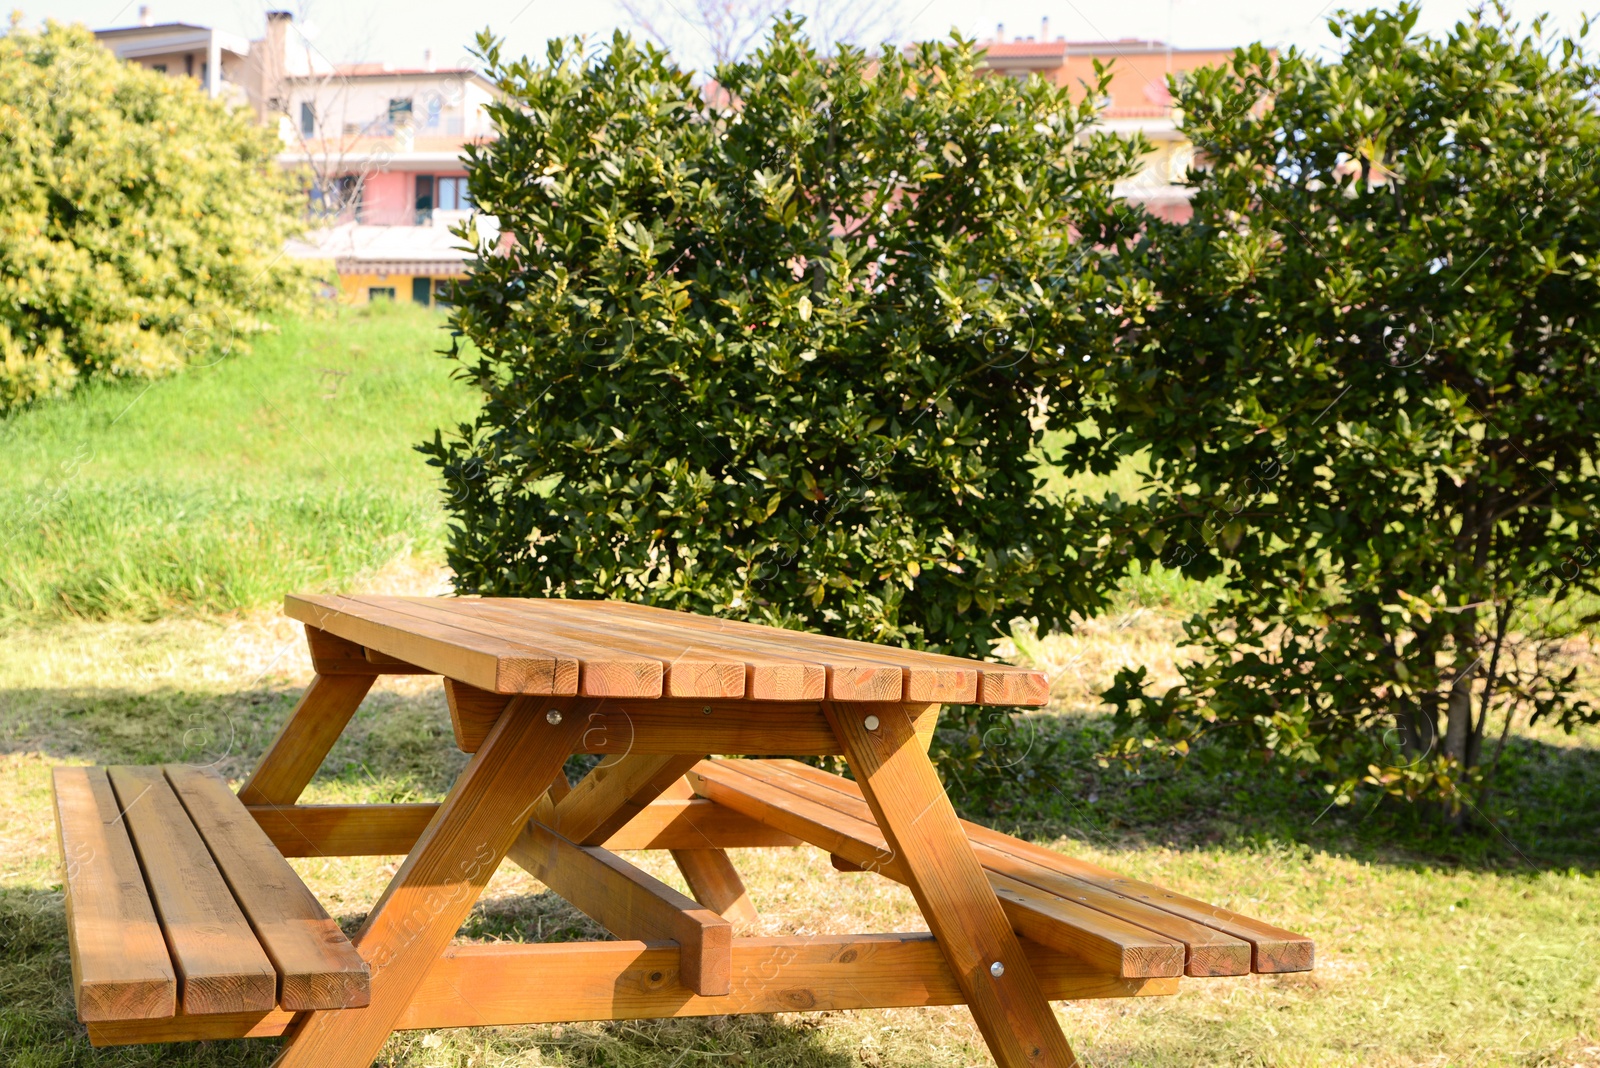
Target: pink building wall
387, 199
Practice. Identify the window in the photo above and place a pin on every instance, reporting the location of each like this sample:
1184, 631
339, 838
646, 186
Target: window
420, 288
424, 199
377, 293
435, 109
159, 68
399, 112
450, 194
308, 120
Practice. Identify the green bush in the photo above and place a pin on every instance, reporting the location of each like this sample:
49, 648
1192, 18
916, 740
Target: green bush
775, 351
1366, 377
141, 223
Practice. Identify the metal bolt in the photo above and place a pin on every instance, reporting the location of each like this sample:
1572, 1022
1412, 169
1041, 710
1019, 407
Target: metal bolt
706, 711
871, 723
997, 969
552, 717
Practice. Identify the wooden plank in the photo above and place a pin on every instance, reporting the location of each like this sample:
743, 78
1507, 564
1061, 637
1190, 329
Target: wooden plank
1273, 949
220, 965
691, 670
302, 744
631, 904
488, 985
343, 830
120, 966
1208, 951
859, 675
761, 675
603, 670
612, 794
743, 727
951, 889
932, 676
434, 890
1114, 945
484, 662
715, 884
472, 712
317, 966
332, 655
391, 830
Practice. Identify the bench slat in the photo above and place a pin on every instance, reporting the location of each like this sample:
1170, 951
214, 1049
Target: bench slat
220, 965
1273, 949
317, 966
1122, 948
1209, 952
120, 967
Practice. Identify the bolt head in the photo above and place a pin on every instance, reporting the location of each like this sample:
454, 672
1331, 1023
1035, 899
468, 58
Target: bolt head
552, 717
871, 723
706, 711
997, 969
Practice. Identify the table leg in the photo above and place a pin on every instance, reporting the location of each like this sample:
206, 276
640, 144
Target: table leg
909, 803
303, 743
715, 883
435, 888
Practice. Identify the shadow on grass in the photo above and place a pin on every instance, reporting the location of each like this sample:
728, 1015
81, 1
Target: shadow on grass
1541, 817
398, 747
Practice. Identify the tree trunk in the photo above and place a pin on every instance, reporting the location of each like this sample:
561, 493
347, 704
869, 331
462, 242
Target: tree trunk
1458, 722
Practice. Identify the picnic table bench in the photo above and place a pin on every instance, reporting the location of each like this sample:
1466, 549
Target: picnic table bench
186, 921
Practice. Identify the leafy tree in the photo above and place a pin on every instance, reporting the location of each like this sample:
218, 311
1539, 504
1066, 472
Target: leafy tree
775, 349
141, 223
1365, 376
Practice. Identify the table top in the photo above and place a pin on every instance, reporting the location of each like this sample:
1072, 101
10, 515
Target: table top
617, 649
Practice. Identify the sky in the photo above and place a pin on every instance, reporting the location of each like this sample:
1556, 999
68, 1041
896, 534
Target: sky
398, 31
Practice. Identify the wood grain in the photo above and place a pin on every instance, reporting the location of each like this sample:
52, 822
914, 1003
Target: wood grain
391, 830
612, 794
317, 966
929, 676
220, 965
488, 985
120, 966
332, 655
631, 904
950, 887
1207, 950
472, 712
321, 715
859, 674
604, 670
485, 662
857, 844
743, 727
765, 674
434, 890
716, 884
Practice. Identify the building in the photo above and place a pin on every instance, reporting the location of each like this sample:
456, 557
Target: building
1137, 99
381, 146
216, 59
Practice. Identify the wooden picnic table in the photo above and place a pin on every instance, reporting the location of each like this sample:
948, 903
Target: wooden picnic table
186, 922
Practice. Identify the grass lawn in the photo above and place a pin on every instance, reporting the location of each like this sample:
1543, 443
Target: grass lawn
136, 596
287, 467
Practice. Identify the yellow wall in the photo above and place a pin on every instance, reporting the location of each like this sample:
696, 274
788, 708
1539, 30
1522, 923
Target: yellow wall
355, 287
